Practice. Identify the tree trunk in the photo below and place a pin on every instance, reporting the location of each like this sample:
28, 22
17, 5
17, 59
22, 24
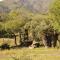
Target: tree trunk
15, 40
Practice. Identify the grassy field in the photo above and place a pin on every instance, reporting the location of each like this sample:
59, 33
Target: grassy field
30, 54
9, 41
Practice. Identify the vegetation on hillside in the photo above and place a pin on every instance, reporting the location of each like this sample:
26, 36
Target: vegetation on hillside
21, 18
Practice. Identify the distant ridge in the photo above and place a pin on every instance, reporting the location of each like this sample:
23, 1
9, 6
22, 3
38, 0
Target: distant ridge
32, 5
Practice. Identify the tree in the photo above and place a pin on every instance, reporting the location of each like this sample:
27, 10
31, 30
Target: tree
15, 20
55, 15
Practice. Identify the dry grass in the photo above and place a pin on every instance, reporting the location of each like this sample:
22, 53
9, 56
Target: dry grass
30, 54
9, 41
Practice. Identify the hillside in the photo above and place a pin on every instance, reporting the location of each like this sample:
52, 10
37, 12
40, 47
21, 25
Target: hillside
32, 5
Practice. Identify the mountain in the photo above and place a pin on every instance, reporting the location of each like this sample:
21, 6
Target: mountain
32, 5
37, 5
3, 8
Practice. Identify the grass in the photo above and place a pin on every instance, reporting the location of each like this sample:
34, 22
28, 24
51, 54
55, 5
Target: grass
10, 41
30, 54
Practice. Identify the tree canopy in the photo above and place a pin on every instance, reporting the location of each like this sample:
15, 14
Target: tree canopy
23, 18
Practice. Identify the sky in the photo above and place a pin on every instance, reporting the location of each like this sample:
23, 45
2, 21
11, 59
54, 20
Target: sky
1, 0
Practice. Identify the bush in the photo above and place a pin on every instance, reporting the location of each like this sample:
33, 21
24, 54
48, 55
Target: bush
5, 46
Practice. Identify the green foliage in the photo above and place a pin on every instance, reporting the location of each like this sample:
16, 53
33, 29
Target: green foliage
23, 18
1, 26
16, 19
55, 15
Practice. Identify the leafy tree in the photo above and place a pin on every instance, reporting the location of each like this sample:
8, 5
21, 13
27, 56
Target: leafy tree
15, 20
55, 15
